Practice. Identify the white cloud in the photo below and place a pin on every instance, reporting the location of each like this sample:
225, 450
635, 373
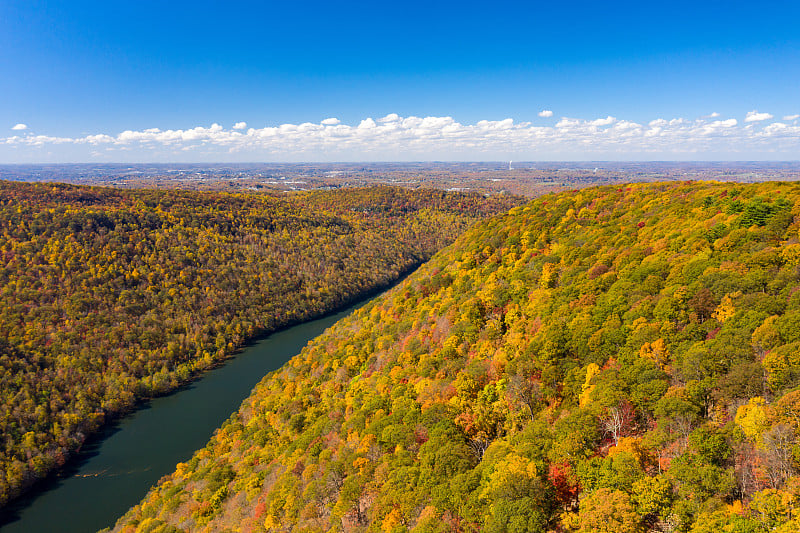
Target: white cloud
731, 122
603, 121
662, 122
567, 123
755, 116
791, 117
717, 127
425, 138
545, 113
20, 127
240, 125
713, 115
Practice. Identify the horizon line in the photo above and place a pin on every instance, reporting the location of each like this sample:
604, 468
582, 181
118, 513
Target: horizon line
397, 162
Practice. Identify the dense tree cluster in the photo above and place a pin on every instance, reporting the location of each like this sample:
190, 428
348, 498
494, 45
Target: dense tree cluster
611, 359
109, 296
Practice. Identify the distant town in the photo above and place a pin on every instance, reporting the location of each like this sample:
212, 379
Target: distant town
520, 178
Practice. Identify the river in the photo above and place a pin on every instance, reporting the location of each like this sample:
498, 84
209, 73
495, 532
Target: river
116, 468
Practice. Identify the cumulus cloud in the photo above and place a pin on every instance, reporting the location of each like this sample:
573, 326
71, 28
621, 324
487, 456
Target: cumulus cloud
240, 125
791, 117
755, 116
568, 123
545, 113
603, 121
713, 115
394, 137
20, 127
718, 126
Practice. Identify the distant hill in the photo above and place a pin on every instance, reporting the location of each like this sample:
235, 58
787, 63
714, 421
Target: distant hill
616, 359
525, 178
109, 296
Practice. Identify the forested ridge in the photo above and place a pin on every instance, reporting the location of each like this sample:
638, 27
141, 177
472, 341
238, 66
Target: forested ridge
108, 296
604, 360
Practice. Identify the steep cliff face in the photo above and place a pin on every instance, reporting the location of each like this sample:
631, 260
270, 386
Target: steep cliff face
611, 359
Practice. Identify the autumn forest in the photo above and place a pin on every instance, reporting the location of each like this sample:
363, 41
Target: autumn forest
622, 358
611, 359
110, 296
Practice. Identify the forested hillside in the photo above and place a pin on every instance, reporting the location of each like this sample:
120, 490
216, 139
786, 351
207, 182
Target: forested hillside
605, 360
109, 296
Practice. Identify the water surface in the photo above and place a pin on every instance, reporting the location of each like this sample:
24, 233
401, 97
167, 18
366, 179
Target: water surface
114, 471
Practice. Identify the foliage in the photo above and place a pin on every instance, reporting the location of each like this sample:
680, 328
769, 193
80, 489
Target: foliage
597, 360
109, 296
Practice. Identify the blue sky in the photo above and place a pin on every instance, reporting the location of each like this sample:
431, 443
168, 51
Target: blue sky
78, 74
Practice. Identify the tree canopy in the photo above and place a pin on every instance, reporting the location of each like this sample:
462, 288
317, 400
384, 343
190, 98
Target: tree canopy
108, 296
615, 358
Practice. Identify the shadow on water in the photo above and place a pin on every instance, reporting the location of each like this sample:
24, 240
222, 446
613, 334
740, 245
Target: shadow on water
115, 467
74, 467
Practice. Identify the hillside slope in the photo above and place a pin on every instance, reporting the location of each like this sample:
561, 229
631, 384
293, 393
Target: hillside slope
611, 359
108, 296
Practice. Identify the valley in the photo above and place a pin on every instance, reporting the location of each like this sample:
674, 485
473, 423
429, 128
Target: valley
610, 359
108, 297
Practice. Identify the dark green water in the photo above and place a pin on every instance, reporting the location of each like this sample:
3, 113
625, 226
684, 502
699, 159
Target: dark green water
115, 470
